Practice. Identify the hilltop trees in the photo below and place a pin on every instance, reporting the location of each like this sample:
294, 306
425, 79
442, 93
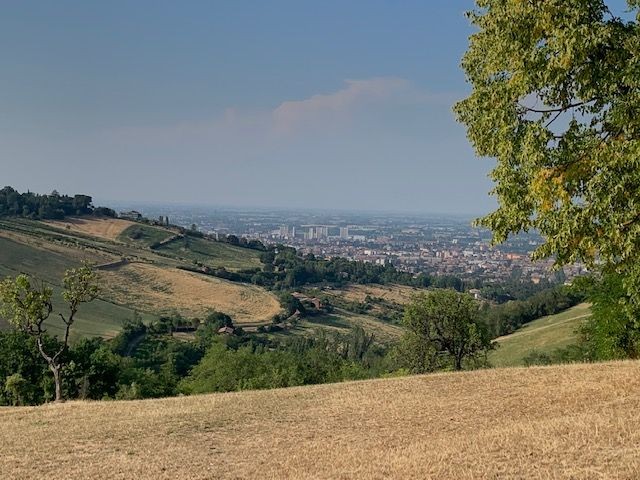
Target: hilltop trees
53, 206
27, 306
443, 329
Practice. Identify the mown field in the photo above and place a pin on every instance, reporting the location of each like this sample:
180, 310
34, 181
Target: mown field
150, 284
543, 335
561, 422
393, 293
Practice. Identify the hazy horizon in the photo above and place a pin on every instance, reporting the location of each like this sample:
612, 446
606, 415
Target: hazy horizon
125, 203
292, 104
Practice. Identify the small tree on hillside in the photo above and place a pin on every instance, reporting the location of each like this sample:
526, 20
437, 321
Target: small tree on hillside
443, 328
27, 306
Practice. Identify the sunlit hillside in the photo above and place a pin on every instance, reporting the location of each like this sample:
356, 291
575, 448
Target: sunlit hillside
569, 422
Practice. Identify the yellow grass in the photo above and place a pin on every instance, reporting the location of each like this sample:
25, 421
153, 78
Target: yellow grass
562, 422
155, 289
108, 228
395, 293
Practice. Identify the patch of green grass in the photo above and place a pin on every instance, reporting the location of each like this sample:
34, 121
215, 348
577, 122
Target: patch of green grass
98, 318
212, 254
16, 258
543, 335
329, 320
144, 235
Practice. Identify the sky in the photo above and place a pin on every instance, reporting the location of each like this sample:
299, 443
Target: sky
288, 103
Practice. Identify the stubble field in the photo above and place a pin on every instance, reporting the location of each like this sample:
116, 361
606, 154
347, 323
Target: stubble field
564, 422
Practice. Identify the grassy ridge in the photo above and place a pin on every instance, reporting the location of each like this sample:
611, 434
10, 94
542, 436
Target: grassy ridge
539, 423
543, 335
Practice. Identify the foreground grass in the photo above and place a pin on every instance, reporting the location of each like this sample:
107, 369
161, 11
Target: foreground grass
543, 335
578, 422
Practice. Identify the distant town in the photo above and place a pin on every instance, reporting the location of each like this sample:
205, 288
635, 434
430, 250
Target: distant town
439, 245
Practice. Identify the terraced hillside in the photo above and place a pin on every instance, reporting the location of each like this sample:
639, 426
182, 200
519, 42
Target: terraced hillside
147, 281
562, 422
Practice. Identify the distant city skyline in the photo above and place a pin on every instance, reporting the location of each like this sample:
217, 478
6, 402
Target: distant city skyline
290, 104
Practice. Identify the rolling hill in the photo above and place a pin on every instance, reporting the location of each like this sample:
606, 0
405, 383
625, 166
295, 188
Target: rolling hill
133, 276
153, 280
543, 335
561, 422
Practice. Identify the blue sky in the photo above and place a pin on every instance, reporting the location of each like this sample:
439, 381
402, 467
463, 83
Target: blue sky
332, 104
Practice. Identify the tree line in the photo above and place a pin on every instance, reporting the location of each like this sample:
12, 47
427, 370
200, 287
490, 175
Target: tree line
160, 365
285, 269
47, 207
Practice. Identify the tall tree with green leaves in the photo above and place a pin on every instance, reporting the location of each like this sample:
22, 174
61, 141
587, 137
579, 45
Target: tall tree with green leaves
27, 305
556, 99
443, 329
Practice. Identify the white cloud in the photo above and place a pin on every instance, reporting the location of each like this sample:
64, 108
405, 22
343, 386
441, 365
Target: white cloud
291, 114
236, 128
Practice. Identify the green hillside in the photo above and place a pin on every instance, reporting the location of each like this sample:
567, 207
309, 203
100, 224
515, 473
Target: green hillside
144, 235
45, 250
543, 335
212, 254
98, 318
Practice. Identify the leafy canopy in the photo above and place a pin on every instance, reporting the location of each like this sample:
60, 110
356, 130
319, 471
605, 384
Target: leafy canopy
24, 306
443, 329
555, 99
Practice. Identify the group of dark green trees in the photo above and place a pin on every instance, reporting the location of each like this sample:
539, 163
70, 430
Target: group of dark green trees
144, 362
42, 207
284, 268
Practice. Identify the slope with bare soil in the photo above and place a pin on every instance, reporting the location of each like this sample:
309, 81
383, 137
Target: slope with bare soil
563, 422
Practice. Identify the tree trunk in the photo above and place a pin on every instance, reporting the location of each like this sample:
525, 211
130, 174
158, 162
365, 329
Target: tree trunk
55, 369
458, 361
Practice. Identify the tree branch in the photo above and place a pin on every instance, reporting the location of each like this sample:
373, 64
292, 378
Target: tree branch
557, 109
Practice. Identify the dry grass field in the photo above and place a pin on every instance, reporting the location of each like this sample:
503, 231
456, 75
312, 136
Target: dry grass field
395, 293
108, 228
164, 290
343, 322
562, 422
